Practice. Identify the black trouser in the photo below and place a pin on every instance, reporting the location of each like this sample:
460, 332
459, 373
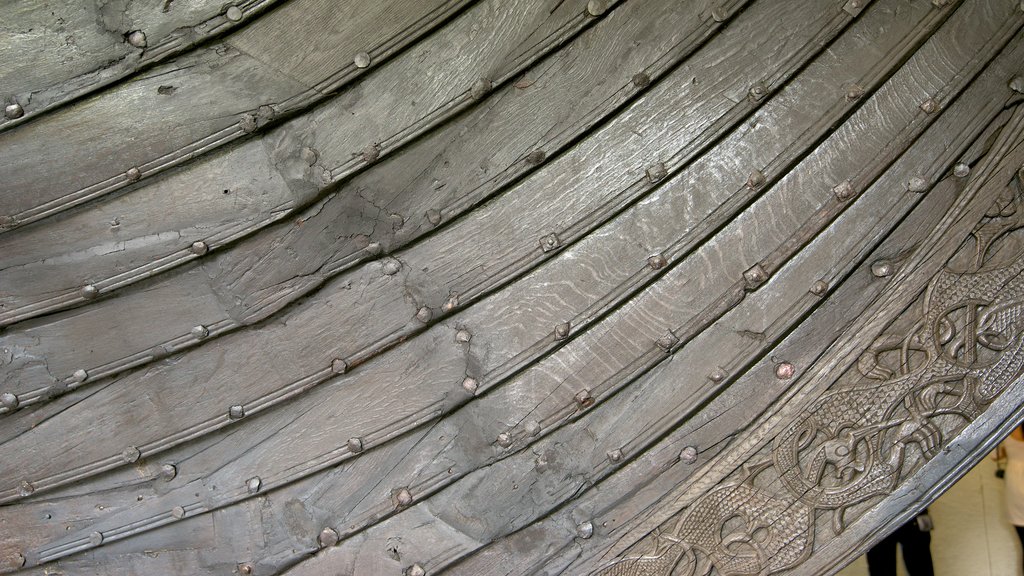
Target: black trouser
917, 554
1020, 534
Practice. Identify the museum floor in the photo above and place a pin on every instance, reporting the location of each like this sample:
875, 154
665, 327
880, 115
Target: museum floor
972, 536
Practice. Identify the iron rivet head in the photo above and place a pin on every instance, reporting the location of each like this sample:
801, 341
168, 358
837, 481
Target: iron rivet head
755, 276
96, 538
533, 428
1017, 82
339, 366
362, 60
26, 488
463, 336
844, 191
137, 39
549, 242
615, 455
252, 485
80, 375
584, 399
390, 266
424, 314
717, 375
784, 370
451, 303
200, 332
168, 472
480, 89
504, 439
961, 170
688, 455
434, 217
371, 153
199, 248
657, 262
758, 91
233, 13
596, 7
656, 172
178, 512
854, 92
667, 342
403, 497
930, 106
471, 385
641, 80
562, 330
755, 180
882, 268
131, 454
9, 401
248, 123
585, 529
328, 537
917, 184
89, 291
133, 174
536, 157
939, 3
415, 570
355, 445
236, 412
245, 568
718, 14
819, 288
13, 111
309, 155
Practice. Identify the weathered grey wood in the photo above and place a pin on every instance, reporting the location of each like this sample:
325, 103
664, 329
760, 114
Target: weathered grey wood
364, 338
996, 171
571, 372
54, 53
575, 369
639, 485
378, 380
247, 187
236, 88
288, 260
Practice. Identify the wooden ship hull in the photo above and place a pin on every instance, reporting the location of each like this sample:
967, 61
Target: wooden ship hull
520, 287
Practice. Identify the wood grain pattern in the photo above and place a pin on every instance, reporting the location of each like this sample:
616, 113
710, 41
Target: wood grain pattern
549, 306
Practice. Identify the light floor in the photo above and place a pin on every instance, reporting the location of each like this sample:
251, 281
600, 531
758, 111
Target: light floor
972, 536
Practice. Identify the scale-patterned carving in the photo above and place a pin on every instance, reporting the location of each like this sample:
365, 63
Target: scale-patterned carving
916, 388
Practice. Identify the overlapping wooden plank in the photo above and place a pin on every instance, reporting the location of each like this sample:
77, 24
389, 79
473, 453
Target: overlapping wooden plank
230, 194
633, 492
54, 53
925, 267
487, 500
220, 377
272, 451
640, 484
288, 260
235, 88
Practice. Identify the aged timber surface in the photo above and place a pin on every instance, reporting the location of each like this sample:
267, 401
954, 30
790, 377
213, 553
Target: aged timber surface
55, 52
558, 305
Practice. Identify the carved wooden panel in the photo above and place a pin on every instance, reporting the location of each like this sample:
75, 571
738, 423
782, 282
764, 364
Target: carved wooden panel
634, 287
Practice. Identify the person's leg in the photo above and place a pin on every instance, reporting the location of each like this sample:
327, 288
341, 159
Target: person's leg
916, 545
1020, 535
882, 557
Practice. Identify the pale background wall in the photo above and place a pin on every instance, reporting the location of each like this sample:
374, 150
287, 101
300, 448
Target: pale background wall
972, 536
